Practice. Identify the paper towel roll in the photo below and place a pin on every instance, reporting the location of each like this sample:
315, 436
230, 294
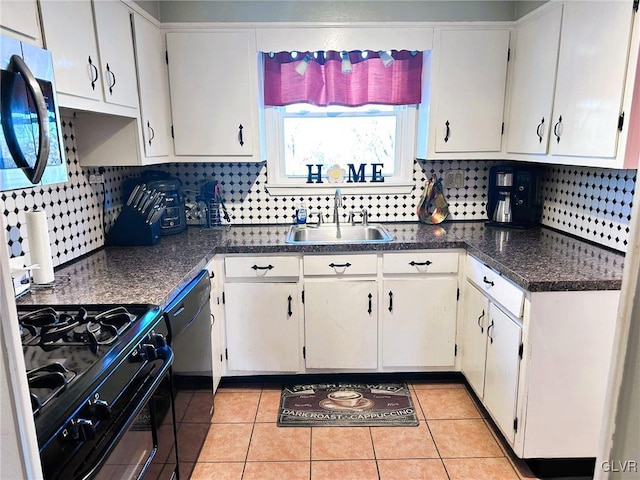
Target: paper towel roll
39, 246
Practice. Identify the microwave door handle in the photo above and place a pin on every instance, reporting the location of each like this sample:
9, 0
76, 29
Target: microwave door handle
34, 174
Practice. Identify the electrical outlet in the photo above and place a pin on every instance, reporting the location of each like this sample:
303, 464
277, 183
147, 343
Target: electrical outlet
96, 178
454, 179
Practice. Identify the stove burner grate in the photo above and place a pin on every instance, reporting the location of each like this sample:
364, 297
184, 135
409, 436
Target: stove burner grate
46, 382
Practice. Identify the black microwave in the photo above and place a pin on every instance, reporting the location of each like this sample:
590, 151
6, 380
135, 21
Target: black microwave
31, 146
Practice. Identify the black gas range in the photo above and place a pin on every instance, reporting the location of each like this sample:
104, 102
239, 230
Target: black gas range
100, 383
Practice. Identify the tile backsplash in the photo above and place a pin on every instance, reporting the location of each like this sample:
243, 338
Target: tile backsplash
591, 203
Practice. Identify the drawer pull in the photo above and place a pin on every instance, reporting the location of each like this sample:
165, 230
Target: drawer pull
340, 265
289, 312
480, 318
268, 267
390, 301
489, 331
487, 281
420, 264
369, 310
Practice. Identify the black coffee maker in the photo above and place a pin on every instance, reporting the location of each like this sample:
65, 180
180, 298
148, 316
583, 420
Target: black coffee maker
514, 196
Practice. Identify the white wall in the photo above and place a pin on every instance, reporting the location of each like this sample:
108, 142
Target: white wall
335, 11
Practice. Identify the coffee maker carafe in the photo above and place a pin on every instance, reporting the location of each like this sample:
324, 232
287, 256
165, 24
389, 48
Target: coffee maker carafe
514, 196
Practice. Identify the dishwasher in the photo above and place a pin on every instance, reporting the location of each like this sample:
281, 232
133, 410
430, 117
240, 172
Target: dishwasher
188, 317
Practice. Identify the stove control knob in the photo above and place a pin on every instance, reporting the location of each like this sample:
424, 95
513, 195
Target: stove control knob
98, 409
148, 352
79, 430
158, 340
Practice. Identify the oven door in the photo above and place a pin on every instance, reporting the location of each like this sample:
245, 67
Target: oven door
147, 447
130, 436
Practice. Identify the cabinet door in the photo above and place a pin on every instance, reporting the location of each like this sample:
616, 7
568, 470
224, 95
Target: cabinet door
154, 88
70, 36
118, 67
21, 16
262, 327
341, 327
213, 92
502, 368
471, 79
533, 83
419, 322
591, 73
475, 314
216, 337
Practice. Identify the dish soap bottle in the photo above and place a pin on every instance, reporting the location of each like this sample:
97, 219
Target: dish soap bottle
301, 215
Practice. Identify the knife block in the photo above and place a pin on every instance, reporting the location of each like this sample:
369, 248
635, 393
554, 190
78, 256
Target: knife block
132, 229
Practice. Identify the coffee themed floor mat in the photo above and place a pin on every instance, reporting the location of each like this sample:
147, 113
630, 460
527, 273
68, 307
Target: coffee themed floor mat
346, 404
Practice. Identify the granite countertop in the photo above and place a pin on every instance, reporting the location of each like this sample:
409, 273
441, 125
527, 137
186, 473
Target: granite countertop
538, 259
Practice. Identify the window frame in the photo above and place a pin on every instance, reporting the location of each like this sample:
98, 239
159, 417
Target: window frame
279, 184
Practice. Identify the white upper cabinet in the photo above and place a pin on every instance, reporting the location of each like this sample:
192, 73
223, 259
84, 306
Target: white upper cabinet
470, 73
214, 95
118, 72
80, 66
154, 88
591, 72
20, 17
533, 83
567, 95
70, 36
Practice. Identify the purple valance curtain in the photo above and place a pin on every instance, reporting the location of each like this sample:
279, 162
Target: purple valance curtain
325, 80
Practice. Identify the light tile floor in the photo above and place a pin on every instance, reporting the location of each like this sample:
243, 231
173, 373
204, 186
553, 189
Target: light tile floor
453, 441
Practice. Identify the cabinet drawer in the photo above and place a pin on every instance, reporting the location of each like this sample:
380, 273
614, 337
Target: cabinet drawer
502, 290
420, 262
260, 267
340, 265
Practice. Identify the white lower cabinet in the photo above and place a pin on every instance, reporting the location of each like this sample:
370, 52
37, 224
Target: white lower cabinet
217, 360
419, 322
341, 324
473, 340
501, 370
490, 344
262, 327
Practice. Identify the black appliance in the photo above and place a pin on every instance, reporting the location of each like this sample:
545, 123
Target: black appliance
31, 136
189, 318
101, 390
174, 217
514, 196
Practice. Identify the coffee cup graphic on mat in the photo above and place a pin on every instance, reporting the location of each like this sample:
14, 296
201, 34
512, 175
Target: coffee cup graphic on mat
345, 398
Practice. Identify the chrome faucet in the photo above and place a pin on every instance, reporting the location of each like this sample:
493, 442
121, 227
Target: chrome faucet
337, 203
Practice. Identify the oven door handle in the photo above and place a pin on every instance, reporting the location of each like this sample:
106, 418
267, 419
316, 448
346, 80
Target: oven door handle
140, 401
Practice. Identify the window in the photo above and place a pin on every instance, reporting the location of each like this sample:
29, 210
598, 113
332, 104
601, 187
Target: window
364, 147
301, 134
